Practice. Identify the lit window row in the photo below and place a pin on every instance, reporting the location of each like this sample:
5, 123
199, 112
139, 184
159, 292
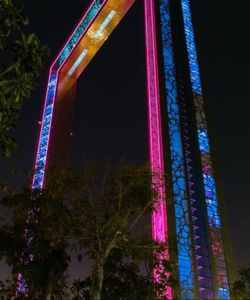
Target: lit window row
104, 24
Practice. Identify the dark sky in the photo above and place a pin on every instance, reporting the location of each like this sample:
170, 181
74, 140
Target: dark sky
110, 112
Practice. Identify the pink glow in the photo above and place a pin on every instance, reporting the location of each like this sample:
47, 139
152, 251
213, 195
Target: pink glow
20, 284
159, 216
57, 73
79, 22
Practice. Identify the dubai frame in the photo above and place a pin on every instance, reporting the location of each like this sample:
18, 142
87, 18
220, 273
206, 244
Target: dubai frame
179, 145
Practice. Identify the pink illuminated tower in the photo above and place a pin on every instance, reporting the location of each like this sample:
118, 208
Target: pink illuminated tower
188, 213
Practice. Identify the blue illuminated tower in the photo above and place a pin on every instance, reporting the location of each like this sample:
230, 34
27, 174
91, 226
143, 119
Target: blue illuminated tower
198, 238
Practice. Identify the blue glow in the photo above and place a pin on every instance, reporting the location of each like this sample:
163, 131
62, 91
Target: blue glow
80, 30
176, 152
223, 293
77, 62
211, 200
203, 141
208, 177
192, 53
105, 24
44, 135
40, 163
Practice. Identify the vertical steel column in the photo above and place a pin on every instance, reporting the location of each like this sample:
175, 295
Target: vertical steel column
181, 210
159, 215
222, 289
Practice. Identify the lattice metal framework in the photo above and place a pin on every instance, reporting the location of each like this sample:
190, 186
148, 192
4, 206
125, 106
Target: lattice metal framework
177, 162
222, 290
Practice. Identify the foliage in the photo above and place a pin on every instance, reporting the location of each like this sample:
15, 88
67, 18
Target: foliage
80, 289
241, 288
98, 210
7, 289
108, 204
21, 57
33, 242
127, 278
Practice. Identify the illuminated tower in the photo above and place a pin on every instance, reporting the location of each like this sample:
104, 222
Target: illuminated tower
187, 214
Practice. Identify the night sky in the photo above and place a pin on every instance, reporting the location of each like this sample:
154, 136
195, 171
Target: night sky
110, 112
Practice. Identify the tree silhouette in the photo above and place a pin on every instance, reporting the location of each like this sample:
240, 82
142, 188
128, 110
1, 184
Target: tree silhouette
21, 60
97, 209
